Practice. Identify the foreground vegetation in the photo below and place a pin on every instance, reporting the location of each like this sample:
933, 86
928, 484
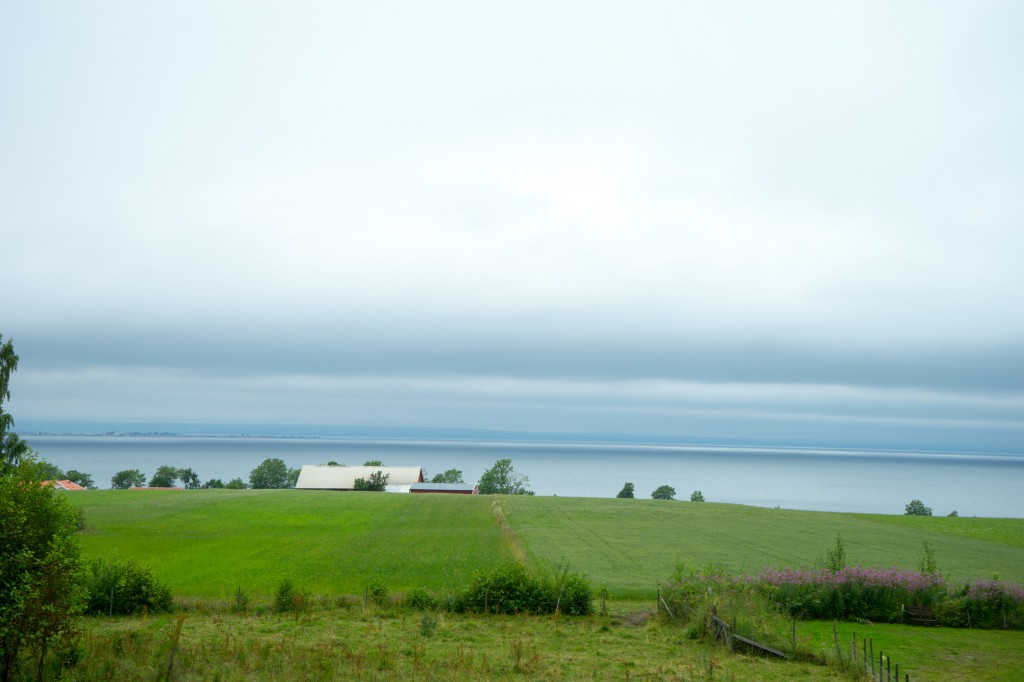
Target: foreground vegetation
346, 641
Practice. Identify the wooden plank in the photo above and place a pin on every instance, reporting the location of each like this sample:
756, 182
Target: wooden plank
760, 647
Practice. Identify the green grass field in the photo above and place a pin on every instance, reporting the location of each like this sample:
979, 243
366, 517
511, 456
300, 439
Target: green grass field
632, 544
206, 543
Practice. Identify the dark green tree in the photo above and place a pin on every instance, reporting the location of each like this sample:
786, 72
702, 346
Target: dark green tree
664, 492
271, 473
450, 476
236, 484
696, 496
39, 564
189, 479
12, 448
50, 472
128, 478
627, 491
917, 508
377, 482
84, 480
373, 463
501, 479
164, 477
214, 483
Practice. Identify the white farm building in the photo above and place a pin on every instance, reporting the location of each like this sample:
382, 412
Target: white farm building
332, 477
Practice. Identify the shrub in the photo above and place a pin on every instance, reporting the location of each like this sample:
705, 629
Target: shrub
123, 587
872, 593
993, 604
428, 623
420, 598
287, 598
510, 588
377, 591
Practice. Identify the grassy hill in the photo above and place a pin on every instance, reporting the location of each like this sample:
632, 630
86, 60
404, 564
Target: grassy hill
206, 543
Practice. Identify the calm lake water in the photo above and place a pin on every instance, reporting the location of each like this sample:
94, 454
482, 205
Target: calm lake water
826, 480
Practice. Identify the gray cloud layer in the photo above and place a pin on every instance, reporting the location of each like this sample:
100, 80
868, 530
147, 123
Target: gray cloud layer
392, 214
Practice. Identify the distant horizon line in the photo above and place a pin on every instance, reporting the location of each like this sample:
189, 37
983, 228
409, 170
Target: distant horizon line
90, 428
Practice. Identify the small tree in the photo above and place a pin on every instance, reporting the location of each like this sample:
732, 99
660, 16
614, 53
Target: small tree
236, 484
450, 476
214, 483
164, 477
271, 473
189, 479
835, 557
664, 492
373, 463
128, 478
501, 479
627, 491
917, 508
84, 480
376, 483
696, 496
928, 564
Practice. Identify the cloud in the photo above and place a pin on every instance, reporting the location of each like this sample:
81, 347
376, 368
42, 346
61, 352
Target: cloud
732, 200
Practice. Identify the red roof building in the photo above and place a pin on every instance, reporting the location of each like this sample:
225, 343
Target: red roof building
65, 485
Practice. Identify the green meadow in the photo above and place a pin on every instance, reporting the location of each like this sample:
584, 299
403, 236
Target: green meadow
208, 543
205, 544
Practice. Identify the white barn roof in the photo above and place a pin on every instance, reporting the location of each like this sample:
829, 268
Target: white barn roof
330, 477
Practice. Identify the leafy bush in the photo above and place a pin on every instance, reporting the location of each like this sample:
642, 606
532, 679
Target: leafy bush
992, 604
574, 594
123, 587
420, 598
377, 591
511, 588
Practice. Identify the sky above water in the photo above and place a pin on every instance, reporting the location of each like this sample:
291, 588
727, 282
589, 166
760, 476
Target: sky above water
795, 221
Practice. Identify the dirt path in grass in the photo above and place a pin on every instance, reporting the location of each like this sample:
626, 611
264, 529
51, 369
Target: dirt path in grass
508, 534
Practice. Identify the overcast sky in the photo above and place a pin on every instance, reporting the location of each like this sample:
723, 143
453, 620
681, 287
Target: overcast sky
770, 219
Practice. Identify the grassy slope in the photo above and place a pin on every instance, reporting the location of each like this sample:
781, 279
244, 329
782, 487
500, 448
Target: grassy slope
631, 545
207, 543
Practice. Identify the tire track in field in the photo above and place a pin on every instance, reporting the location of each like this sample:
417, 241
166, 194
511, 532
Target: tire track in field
508, 534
